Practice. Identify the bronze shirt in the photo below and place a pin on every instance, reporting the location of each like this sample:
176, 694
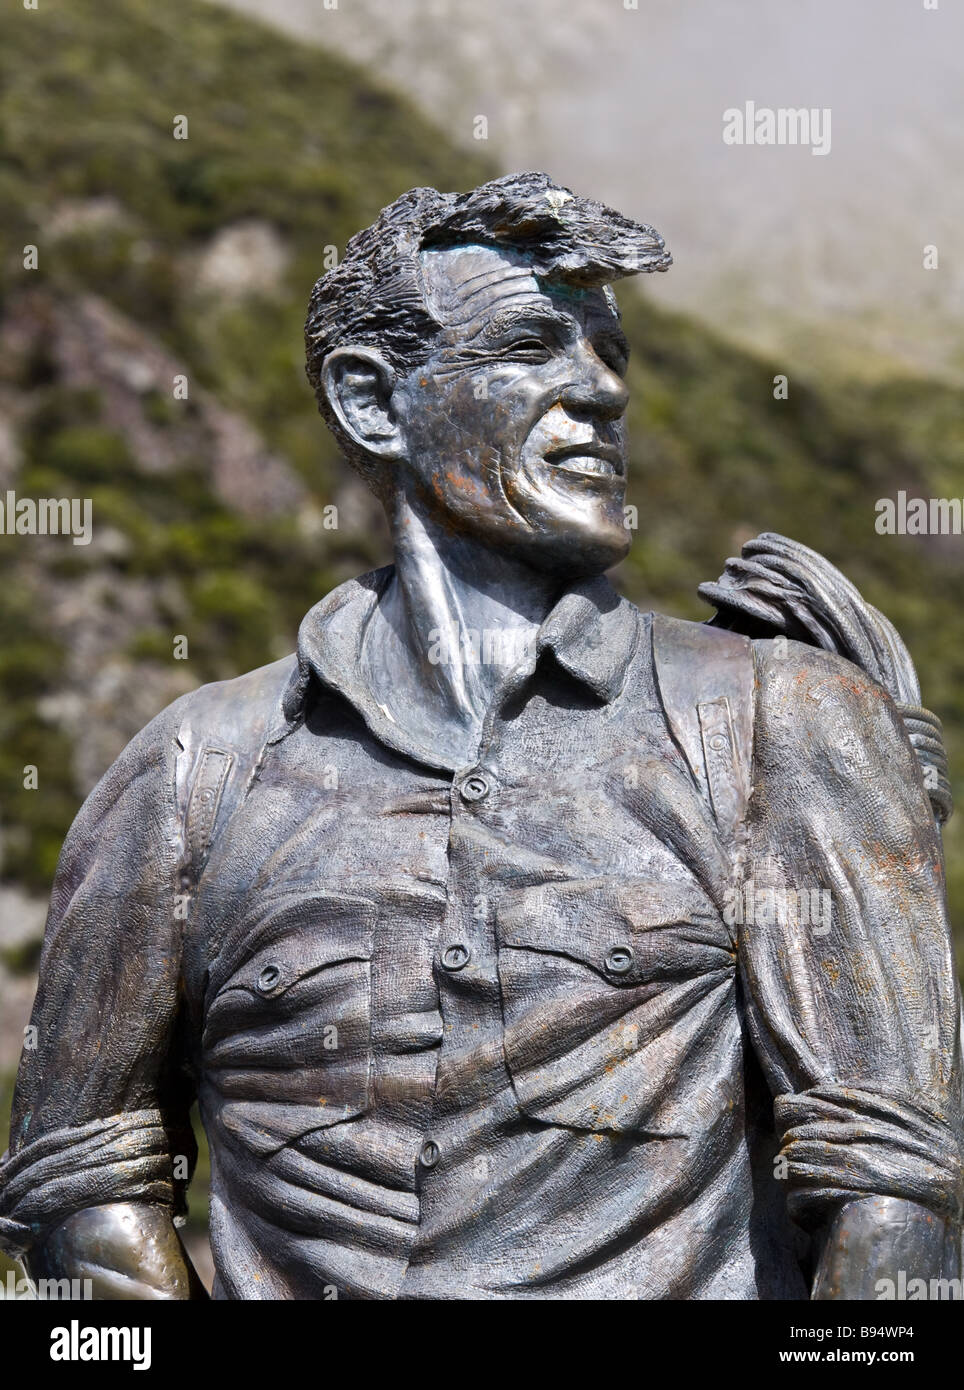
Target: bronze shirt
494, 1031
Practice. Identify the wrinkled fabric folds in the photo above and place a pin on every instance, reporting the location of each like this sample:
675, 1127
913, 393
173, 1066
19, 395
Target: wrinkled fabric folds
124, 1158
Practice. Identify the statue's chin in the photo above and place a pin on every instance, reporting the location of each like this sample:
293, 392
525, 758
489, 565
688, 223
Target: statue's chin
576, 551
573, 522
570, 537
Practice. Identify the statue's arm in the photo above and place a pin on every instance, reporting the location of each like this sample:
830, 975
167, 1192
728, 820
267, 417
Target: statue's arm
865, 1244
100, 1140
126, 1250
853, 1000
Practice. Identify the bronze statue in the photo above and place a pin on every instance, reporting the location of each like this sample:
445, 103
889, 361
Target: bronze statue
516, 943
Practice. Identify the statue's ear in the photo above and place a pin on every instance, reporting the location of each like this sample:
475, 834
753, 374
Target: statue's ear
357, 383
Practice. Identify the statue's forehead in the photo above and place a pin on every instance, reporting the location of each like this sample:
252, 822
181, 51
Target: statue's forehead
464, 285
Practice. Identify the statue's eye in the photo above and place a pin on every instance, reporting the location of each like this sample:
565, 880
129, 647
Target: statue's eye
527, 350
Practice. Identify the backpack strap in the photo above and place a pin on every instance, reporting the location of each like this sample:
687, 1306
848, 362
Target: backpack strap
706, 678
211, 773
205, 773
221, 745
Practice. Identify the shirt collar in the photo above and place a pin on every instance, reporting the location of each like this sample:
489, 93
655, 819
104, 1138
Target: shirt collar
591, 631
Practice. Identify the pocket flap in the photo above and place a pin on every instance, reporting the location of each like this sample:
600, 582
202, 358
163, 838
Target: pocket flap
294, 937
288, 1018
606, 923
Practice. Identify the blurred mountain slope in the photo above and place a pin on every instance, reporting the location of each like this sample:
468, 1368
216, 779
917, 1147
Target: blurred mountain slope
817, 260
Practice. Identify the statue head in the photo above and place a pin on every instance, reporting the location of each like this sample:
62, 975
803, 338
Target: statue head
467, 354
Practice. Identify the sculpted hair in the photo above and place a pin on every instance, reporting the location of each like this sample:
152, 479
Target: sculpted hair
374, 298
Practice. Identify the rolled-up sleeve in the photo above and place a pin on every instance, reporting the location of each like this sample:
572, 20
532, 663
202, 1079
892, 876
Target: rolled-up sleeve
846, 958
102, 1093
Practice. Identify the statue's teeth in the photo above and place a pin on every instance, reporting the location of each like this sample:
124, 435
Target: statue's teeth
586, 463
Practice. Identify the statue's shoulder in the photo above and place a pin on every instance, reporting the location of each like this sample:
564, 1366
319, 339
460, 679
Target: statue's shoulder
821, 692
695, 659
220, 734
696, 663
681, 638
250, 710
240, 713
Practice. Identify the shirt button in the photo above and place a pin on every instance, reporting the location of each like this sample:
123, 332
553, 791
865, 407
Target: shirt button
456, 956
474, 787
268, 978
429, 1155
620, 960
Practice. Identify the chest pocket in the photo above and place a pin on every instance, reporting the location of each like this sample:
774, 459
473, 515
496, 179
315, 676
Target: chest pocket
288, 1017
613, 991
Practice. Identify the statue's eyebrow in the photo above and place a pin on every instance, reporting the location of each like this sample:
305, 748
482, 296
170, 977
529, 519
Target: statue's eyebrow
524, 315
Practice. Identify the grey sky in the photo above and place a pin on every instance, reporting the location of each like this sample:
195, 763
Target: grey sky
773, 245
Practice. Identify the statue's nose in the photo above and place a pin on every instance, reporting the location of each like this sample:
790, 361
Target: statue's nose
596, 389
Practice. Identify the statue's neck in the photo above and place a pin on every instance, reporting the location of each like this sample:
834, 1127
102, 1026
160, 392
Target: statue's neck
452, 622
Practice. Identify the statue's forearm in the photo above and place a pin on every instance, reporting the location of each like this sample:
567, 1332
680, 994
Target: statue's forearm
874, 1239
126, 1250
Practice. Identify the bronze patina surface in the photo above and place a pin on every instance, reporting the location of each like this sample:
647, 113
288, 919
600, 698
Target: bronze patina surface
514, 942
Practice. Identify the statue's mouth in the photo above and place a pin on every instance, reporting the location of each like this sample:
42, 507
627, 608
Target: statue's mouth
591, 460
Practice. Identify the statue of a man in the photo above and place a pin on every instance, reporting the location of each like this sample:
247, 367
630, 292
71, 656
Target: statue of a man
515, 943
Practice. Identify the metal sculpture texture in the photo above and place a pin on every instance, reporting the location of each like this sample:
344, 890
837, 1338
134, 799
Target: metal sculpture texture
515, 943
